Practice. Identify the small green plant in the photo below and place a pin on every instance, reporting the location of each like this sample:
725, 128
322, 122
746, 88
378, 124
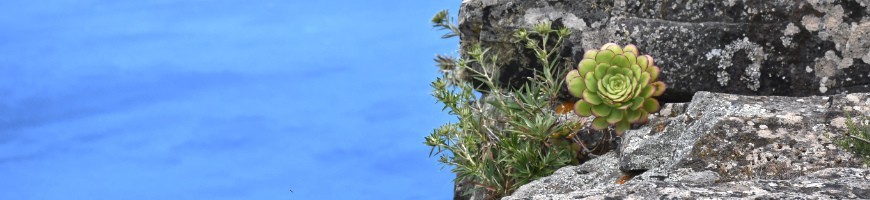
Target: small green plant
503, 137
857, 137
617, 85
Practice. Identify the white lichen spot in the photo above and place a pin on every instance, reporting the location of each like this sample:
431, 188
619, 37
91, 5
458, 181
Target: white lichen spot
762, 127
860, 108
815, 185
809, 69
537, 15
845, 63
839, 122
573, 22
789, 30
790, 118
750, 110
752, 73
674, 193
767, 134
827, 66
834, 17
666, 111
785, 40
722, 77
811, 23
782, 131
823, 87
858, 44
730, 3
718, 53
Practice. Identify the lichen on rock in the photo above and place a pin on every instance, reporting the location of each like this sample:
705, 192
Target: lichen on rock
757, 94
753, 146
688, 35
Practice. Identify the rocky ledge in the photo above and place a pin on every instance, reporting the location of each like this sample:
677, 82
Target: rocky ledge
725, 146
757, 94
759, 47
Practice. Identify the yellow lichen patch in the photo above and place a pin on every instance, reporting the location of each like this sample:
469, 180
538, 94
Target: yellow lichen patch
623, 179
565, 107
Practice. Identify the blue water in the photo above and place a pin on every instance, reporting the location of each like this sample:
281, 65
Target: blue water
228, 99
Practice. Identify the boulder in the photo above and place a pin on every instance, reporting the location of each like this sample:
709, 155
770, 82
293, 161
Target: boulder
770, 47
725, 146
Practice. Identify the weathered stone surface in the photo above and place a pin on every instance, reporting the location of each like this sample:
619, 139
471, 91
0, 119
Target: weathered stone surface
744, 137
599, 172
832, 183
771, 47
726, 146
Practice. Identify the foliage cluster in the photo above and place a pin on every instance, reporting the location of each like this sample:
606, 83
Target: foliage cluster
857, 137
503, 137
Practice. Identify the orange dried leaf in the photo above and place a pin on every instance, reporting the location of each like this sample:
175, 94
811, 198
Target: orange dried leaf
565, 107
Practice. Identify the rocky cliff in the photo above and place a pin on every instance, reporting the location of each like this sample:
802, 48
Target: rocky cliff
750, 47
725, 146
757, 92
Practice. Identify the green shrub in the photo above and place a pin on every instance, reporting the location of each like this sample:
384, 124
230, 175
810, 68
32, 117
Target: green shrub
503, 137
857, 137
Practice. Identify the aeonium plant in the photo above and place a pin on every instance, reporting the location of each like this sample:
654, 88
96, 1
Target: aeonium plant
616, 85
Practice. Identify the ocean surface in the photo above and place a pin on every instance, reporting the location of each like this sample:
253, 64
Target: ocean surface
220, 99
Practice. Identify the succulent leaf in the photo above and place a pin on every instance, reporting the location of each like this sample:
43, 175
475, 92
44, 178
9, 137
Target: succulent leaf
632, 116
653, 72
630, 49
604, 56
599, 123
615, 116
621, 127
617, 85
632, 58
645, 61
601, 110
583, 108
659, 88
651, 105
586, 66
591, 82
644, 116
590, 54
615, 48
576, 84
647, 91
591, 97
636, 103
621, 61
645, 78
601, 70
636, 71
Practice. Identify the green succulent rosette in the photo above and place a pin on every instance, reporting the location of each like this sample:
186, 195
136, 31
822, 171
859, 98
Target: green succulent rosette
616, 85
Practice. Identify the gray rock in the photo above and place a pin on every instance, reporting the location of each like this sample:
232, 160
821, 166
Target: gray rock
771, 47
832, 183
726, 146
599, 172
744, 137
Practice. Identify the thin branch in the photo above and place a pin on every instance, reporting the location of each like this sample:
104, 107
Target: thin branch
859, 139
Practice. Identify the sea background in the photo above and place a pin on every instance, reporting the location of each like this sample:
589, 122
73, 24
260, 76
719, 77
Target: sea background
220, 99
